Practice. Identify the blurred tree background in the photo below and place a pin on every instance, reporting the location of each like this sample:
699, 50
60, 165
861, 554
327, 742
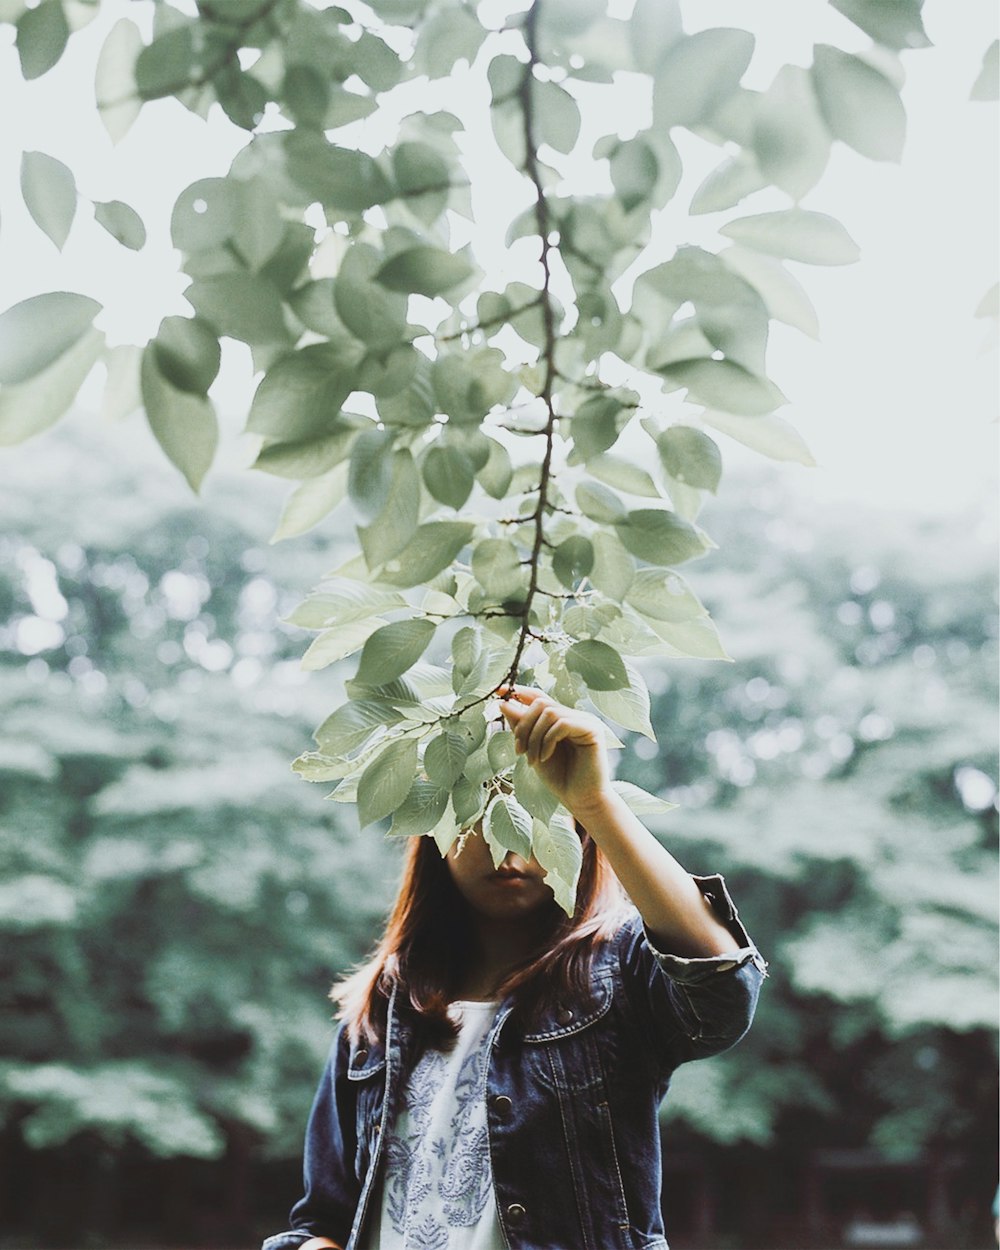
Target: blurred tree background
174, 902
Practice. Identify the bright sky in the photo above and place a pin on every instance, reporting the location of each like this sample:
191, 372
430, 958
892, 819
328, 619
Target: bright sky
898, 400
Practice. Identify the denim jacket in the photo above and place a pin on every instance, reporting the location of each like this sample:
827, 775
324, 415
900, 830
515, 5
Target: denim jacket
572, 1106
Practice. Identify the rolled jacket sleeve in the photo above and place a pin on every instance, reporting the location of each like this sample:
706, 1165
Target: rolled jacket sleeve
690, 1008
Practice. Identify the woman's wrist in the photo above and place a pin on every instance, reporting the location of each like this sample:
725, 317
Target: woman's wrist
597, 804
320, 1243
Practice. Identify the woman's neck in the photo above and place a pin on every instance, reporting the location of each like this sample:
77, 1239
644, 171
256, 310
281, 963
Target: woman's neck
498, 946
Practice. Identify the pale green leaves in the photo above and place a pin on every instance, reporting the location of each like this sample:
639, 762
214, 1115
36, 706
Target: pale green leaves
507, 827
49, 191
183, 423
42, 33
118, 100
896, 24
987, 84
122, 222
425, 270
791, 141
386, 781
32, 405
391, 650
600, 666
860, 105
795, 234
689, 456
660, 537
697, 74
38, 331
556, 845
372, 312
772, 436
300, 396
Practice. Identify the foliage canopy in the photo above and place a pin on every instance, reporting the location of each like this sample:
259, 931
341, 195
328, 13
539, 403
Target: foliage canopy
527, 455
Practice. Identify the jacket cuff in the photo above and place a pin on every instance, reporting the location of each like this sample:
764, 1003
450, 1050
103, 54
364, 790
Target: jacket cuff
287, 1241
690, 971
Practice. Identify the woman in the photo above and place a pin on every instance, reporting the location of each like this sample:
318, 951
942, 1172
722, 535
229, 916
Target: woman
496, 1076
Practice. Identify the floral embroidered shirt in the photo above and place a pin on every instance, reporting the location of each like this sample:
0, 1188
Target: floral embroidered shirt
436, 1190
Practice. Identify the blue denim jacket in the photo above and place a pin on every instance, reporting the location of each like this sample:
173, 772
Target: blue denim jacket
571, 1107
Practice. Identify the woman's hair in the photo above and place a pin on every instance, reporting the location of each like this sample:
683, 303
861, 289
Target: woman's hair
429, 935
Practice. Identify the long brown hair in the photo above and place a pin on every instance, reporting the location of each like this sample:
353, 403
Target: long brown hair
429, 934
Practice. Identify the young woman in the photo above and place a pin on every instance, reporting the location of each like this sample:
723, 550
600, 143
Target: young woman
495, 1079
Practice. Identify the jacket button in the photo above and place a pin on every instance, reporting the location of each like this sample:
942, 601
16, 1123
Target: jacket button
502, 1105
516, 1213
564, 1015
360, 1057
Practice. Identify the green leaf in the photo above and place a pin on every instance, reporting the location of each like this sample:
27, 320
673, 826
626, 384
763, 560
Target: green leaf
310, 502
501, 750
600, 666
531, 792
450, 35
634, 172
790, 139
421, 811
690, 456
613, 567
507, 827
893, 23
660, 537
556, 116
390, 651
796, 234
122, 223
640, 801
118, 101
771, 435
42, 33
573, 559
497, 567
28, 407
697, 638
377, 64
371, 470
240, 306
861, 107
386, 781
653, 28
556, 845
433, 547
622, 473
445, 758
726, 385
341, 179
784, 296
448, 475
596, 424
628, 706
187, 353
423, 178
468, 384
205, 215
987, 84
353, 723
167, 64
664, 596
599, 503
737, 177
183, 424
122, 395
375, 315
495, 475
392, 528
698, 73
37, 331
49, 191
339, 600
301, 394
425, 270
338, 643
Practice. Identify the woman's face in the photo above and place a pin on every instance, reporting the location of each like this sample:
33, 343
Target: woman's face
514, 889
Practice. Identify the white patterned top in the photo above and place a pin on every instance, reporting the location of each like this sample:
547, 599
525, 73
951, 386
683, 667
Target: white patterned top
436, 1190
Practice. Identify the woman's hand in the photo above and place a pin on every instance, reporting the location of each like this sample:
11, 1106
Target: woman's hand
563, 745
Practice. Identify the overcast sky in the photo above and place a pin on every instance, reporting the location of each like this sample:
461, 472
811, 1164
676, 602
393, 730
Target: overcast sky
898, 400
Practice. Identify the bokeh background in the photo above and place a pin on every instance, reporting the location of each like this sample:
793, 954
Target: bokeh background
174, 902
